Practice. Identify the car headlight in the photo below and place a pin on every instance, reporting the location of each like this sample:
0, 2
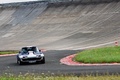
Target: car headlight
42, 55
38, 56
22, 56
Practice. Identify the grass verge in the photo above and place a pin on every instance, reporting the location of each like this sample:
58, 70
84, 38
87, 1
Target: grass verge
8, 52
99, 55
62, 77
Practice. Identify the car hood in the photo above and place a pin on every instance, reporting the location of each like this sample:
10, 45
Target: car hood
30, 54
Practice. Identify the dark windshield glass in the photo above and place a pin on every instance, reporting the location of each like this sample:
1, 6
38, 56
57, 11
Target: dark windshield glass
32, 49
26, 49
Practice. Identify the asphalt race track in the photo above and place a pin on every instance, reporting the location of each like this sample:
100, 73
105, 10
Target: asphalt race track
61, 28
53, 66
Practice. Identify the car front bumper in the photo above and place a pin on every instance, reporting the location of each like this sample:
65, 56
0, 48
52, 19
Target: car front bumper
30, 60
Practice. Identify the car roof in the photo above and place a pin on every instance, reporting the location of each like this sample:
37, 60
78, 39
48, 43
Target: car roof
29, 46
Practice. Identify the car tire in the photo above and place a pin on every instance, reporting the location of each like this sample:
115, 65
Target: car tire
19, 62
43, 60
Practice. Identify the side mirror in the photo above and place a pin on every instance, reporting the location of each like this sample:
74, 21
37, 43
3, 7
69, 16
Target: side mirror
40, 50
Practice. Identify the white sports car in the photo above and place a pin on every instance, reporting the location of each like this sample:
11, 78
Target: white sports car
30, 55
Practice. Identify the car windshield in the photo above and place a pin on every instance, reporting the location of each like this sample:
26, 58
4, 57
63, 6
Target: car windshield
26, 49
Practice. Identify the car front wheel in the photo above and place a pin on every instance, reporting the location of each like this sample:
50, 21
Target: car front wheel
43, 60
19, 62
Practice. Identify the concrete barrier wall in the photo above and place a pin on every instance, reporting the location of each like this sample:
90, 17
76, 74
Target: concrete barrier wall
82, 1
55, 1
64, 26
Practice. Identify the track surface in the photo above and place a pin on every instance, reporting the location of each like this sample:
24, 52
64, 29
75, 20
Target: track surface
61, 27
53, 66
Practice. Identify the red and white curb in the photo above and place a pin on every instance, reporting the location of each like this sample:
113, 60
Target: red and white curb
43, 50
7, 55
69, 61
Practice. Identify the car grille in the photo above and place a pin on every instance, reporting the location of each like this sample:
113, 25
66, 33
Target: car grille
30, 59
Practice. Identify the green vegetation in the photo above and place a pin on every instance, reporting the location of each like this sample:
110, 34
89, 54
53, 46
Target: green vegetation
99, 55
8, 52
62, 77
